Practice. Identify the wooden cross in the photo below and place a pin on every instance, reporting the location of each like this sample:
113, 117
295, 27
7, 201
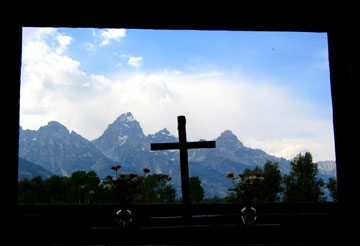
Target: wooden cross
183, 146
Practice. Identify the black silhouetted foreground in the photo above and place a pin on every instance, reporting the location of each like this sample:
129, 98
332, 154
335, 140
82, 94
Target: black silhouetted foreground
215, 224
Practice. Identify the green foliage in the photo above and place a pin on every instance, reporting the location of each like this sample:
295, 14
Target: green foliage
332, 187
81, 188
56, 189
197, 192
86, 188
31, 191
271, 187
302, 183
125, 186
265, 190
248, 187
155, 188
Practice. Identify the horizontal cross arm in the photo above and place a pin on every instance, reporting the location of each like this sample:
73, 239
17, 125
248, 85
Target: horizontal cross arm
164, 146
201, 145
188, 145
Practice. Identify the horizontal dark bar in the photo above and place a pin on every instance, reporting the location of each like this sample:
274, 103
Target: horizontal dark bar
201, 145
189, 145
164, 146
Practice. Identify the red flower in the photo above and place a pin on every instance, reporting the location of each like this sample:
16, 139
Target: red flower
146, 170
230, 175
116, 167
242, 175
132, 175
257, 174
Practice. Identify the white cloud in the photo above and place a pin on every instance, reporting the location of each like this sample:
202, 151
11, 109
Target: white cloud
48, 77
33, 52
262, 116
111, 34
64, 41
31, 34
90, 46
135, 61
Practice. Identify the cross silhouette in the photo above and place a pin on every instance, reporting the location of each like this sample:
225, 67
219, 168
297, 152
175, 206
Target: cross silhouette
183, 145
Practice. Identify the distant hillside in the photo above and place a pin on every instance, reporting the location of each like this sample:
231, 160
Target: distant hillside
30, 170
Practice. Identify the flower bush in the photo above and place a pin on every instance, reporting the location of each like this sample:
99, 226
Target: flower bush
247, 185
126, 186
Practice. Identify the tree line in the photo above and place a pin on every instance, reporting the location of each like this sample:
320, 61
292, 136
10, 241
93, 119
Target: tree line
301, 184
87, 188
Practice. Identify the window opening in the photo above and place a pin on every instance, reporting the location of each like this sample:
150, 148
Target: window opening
94, 99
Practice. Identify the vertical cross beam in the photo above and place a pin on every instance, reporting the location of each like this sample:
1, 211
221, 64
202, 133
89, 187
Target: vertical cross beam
184, 166
183, 145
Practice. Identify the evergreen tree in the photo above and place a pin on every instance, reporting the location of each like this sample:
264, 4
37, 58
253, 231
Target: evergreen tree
196, 191
56, 188
83, 186
271, 185
23, 191
302, 183
155, 188
332, 187
31, 191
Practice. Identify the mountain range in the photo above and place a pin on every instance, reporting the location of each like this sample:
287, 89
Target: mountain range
53, 149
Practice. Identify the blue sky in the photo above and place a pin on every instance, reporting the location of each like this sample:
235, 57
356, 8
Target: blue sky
272, 89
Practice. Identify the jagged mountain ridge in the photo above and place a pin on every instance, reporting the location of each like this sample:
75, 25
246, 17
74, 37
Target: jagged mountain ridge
54, 148
327, 168
62, 152
124, 132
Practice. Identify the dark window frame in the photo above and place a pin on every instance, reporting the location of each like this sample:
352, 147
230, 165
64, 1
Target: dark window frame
342, 48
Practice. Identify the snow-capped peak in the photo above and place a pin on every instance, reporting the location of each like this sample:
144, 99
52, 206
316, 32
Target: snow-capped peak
162, 136
126, 117
165, 132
